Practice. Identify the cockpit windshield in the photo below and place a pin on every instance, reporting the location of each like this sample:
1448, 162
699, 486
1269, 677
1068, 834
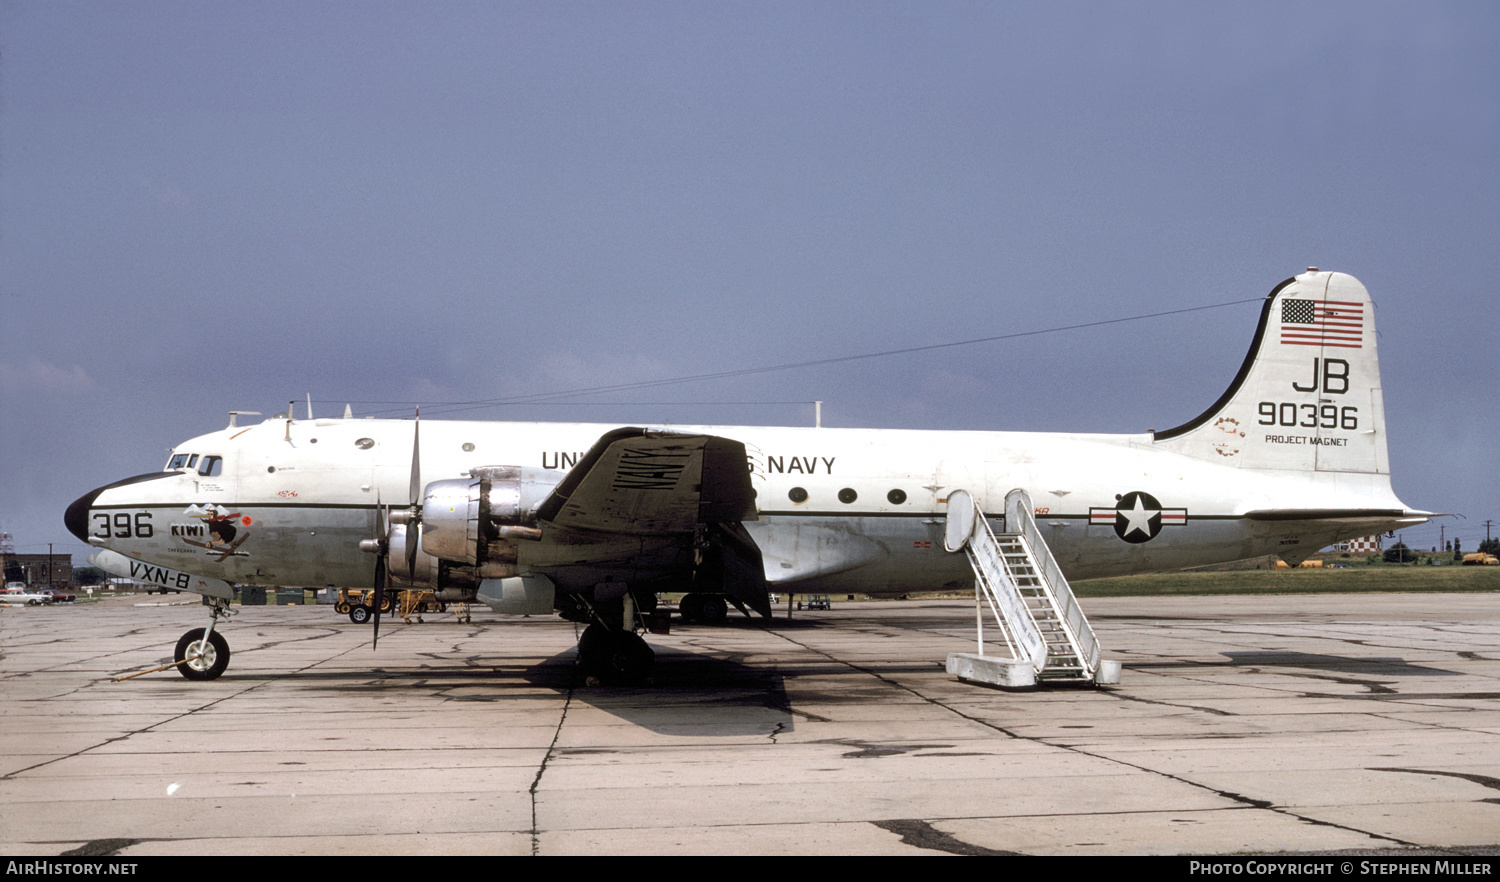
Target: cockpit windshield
208, 466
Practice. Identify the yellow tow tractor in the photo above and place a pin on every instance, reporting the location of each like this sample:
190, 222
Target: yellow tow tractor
355, 604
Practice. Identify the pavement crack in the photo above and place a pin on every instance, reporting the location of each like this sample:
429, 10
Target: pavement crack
536, 782
1482, 780
1242, 799
896, 684
127, 735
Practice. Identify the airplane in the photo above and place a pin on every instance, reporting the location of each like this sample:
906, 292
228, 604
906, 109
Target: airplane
593, 520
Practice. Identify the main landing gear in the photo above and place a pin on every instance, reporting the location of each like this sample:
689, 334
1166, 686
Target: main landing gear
704, 609
203, 653
610, 651
615, 657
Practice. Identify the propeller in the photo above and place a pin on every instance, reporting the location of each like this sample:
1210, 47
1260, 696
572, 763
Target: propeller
411, 517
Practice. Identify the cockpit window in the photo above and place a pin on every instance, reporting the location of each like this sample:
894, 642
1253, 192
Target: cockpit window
208, 466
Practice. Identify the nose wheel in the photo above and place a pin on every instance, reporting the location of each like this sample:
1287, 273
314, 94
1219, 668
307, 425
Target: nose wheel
201, 659
203, 653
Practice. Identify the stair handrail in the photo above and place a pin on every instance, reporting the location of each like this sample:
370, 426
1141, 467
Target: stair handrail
1019, 519
970, 531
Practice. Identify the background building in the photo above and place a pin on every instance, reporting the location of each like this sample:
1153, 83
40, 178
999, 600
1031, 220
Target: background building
40, 570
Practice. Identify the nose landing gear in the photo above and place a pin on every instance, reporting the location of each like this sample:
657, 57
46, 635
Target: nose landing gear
202, 659
203, 653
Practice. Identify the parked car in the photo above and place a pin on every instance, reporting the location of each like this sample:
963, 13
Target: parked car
58, 596
18, 593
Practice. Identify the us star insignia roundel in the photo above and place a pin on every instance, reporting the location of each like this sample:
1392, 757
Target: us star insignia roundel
1137, 517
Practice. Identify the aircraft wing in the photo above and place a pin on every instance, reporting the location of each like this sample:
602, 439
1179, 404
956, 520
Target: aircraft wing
638, 498
641, 481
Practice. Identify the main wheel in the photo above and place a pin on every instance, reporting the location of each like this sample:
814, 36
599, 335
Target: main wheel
200, 661
615, 657
713, 609
360, 614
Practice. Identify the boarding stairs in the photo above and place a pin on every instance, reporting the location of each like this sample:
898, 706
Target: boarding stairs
1019, 581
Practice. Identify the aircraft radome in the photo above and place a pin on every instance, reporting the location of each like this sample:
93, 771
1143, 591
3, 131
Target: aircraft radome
593, 520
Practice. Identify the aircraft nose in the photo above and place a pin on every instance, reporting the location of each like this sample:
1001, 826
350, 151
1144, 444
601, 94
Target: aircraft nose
77, 515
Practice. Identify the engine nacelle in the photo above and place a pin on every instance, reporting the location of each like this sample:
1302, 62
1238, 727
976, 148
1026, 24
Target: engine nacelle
518, 595
449, 582
477, 521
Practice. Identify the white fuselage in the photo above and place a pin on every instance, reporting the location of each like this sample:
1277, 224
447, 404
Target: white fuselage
854, 510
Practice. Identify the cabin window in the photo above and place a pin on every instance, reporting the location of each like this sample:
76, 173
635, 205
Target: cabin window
211, 467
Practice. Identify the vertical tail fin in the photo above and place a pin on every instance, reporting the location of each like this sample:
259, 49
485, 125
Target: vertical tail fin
1307, 397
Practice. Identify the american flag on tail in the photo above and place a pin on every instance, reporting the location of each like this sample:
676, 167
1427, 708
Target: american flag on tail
1337, 323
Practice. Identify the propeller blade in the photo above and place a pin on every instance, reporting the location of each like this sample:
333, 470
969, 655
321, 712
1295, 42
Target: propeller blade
413, 534
382, 570
381, 577
416, 462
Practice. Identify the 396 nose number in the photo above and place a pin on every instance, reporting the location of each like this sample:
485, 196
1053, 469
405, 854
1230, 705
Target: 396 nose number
123, 525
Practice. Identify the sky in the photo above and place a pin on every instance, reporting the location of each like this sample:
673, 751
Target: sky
215, 206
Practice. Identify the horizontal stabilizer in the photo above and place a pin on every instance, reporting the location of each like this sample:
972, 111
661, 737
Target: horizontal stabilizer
1332, 514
